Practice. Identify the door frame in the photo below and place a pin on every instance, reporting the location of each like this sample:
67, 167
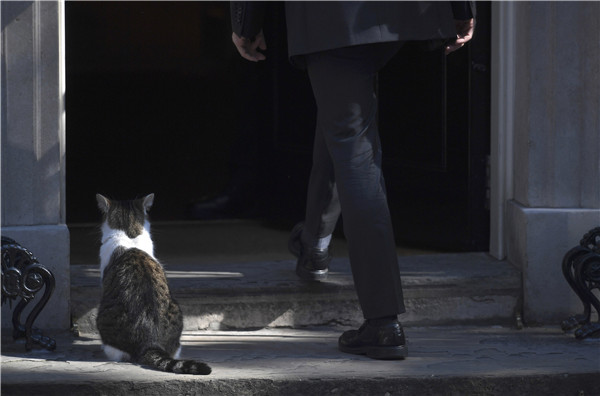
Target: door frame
503, 21
502, 121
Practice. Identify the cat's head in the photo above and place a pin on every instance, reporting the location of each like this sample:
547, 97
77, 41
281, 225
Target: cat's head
130, 216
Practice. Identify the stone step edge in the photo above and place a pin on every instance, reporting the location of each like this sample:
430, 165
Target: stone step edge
342, 309
260, 294
527, 384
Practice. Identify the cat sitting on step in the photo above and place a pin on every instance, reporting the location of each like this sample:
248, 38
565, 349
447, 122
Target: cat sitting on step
138, 319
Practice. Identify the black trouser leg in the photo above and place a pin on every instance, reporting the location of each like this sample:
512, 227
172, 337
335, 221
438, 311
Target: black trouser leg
347, 164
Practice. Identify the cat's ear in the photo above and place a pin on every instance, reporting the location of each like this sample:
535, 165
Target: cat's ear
103, 203
148, 201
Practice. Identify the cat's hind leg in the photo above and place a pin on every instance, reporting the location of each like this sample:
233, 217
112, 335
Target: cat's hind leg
115, 354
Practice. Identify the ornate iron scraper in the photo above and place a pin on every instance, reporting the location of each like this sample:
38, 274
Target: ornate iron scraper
23, 276
581, 268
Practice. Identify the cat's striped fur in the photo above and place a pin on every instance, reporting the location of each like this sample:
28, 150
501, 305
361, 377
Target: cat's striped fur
138, 319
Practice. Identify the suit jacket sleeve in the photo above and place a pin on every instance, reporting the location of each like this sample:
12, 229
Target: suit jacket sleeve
247, 17
463, 10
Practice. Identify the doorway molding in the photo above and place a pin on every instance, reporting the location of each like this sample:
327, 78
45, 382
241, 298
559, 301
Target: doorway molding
502, 122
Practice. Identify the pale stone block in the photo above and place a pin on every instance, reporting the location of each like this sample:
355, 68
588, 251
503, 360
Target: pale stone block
538, 241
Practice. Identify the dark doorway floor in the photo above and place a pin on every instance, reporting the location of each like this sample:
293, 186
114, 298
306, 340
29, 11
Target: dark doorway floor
218, 241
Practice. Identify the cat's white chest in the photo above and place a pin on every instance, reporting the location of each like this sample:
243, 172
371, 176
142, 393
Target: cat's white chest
112, 239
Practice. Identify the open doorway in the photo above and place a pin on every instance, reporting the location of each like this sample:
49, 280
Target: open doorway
150, 103
158, 101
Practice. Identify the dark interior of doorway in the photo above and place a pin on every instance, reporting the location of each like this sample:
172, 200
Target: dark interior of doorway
159, 101
150, 103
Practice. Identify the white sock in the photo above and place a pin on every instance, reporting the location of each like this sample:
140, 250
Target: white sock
323, 243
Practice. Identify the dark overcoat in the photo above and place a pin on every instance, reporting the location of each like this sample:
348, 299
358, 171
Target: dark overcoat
314, 26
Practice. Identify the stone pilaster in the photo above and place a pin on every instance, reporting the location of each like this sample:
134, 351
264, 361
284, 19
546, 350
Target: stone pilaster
556, 147
33, 143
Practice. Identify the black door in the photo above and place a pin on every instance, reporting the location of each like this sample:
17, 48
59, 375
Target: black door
434, 125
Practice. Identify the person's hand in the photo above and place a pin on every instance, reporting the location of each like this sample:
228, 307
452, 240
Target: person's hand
248, 49
464, 33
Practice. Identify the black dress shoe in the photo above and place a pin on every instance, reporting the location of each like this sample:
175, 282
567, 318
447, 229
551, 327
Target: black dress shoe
375, 339
313, 263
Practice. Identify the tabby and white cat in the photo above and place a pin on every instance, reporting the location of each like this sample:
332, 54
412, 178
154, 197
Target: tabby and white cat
138, 319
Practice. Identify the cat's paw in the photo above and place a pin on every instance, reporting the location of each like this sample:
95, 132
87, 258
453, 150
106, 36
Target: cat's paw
115, 354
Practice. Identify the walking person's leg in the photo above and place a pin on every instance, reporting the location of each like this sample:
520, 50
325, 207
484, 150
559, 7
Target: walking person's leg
344, 85
323, 205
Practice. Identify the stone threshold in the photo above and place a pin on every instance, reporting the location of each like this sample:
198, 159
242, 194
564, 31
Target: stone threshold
439, 289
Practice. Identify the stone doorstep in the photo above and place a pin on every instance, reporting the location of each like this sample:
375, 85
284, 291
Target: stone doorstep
521, 385
446, 289
480, 360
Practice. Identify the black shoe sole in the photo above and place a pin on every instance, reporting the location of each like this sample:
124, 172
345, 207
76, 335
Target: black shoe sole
378, 352
305, 274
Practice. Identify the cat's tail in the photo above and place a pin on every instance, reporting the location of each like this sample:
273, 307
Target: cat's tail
160, 360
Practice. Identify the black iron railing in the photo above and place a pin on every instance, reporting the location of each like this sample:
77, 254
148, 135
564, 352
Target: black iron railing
23, 277
581, 268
